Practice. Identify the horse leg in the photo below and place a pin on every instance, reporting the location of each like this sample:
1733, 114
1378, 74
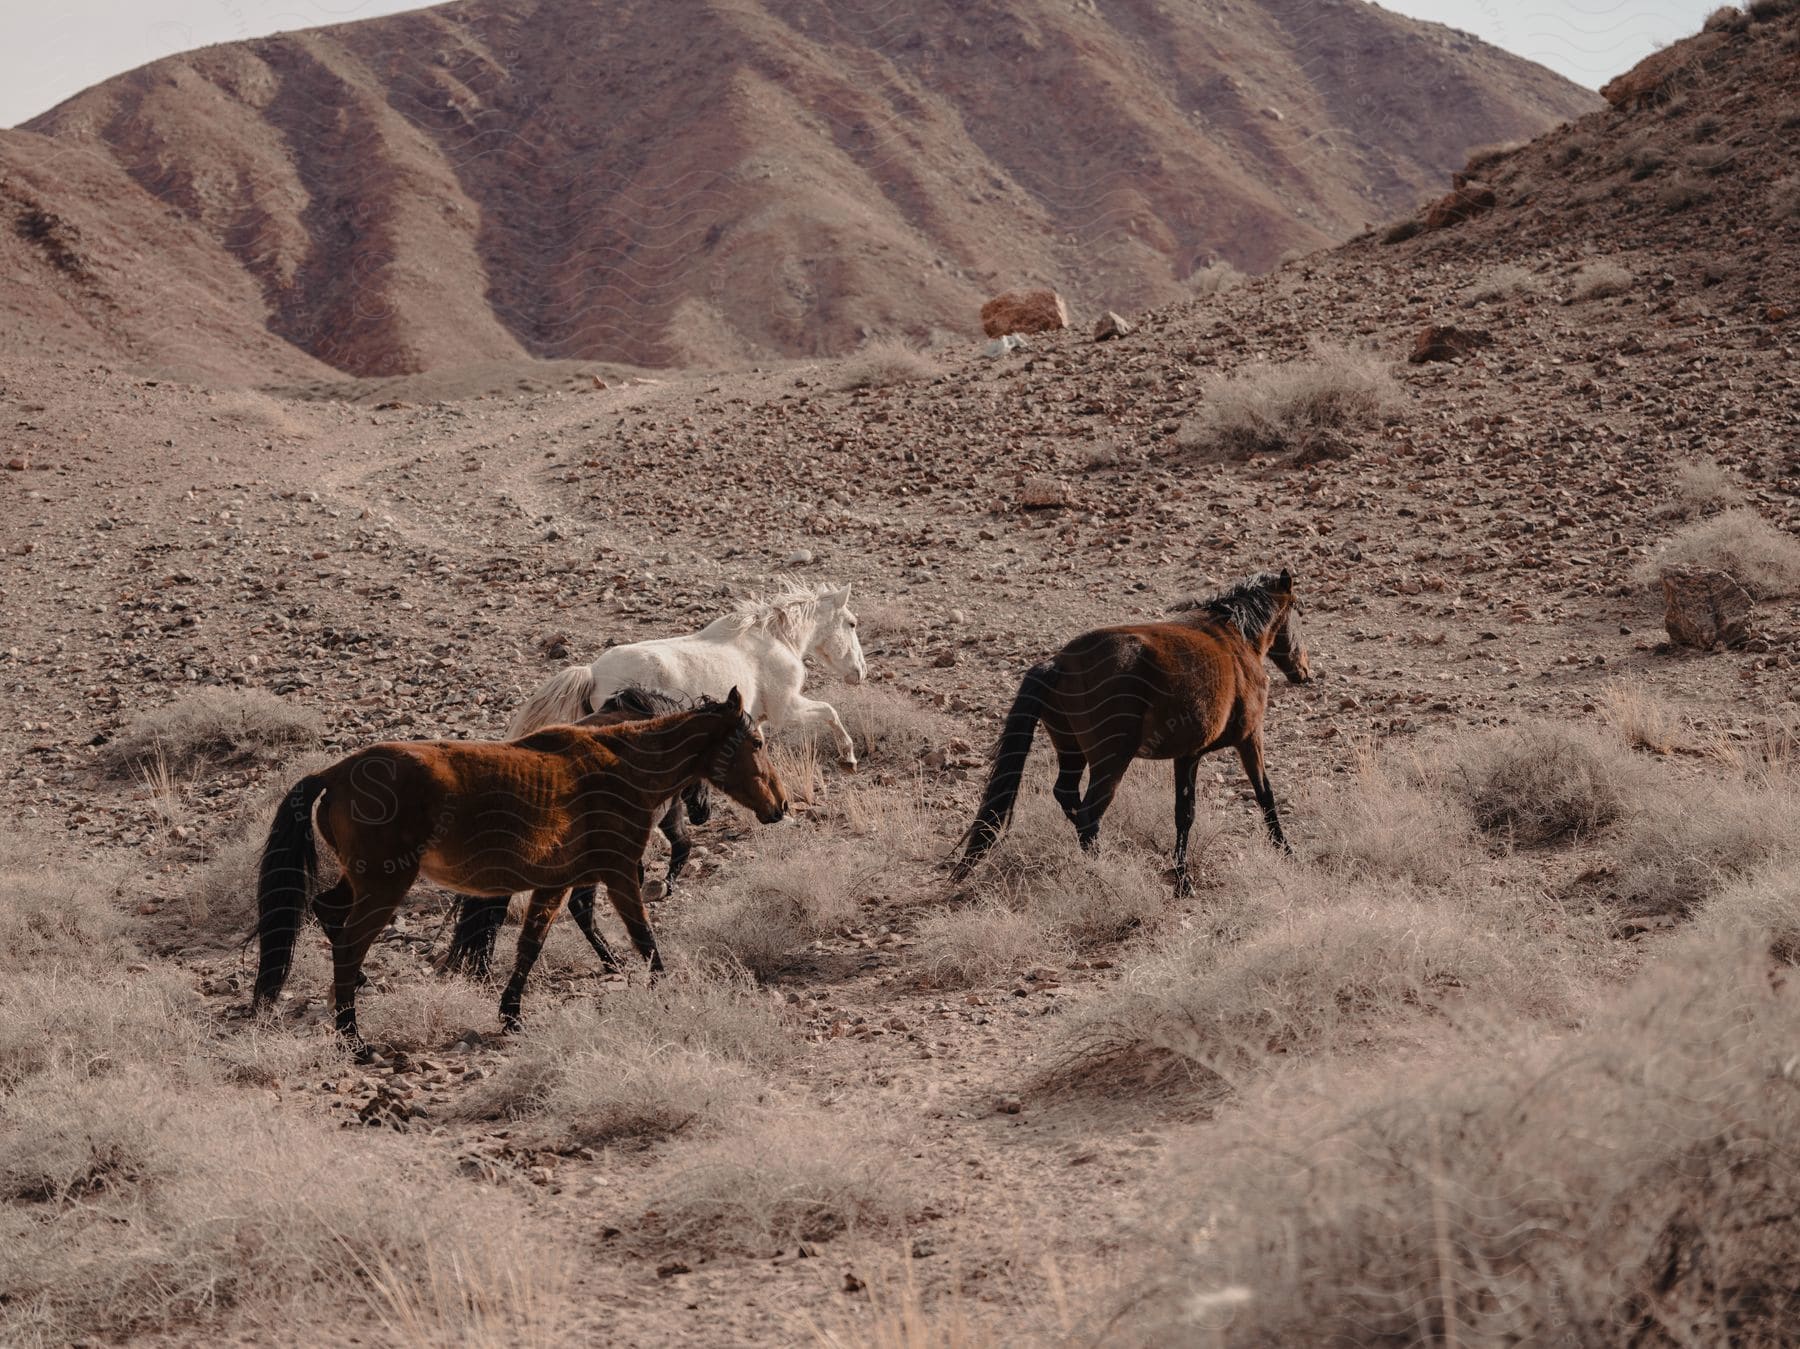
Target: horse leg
1251, 752
331, 907
1104, 775
369, 914
1070, 765
814, 715
581, 909
674, 828
1187, 772
538, 917
628, 900
478, 923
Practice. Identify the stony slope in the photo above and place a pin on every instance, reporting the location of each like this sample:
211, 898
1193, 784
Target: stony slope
703, 183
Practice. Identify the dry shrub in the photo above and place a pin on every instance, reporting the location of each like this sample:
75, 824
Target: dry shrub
766, 910
1296, 960
1215, 279
1702, 487
1765, 560
982, 944
1760, 908
1680, 193
897, 819
646, 1062
57, 916
1599, 279
1319, 967
422, 1013
885, 361
782, 1178
136, 1209
1502, 282
1402, 230
1394, 820
1546, 783
1268, 409
1679, 848
213, 726
1632, 1184
1643, 720
888, 727
1486, 156
1763, 11
89, 1022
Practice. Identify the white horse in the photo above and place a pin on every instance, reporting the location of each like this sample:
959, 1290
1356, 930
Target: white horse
761, 648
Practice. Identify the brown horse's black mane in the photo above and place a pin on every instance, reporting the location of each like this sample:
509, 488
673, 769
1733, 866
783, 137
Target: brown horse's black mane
1249, 606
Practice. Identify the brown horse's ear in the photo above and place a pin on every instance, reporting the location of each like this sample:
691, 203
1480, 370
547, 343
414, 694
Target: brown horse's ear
1285, 581
735, 700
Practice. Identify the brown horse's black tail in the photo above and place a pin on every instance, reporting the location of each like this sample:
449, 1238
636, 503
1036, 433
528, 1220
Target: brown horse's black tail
1009, 764
284, 885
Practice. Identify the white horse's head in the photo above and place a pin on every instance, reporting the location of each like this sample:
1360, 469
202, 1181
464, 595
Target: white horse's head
834, 643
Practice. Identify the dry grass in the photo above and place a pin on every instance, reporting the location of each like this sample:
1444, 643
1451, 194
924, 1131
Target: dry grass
889, 728
55, 916
1702, 487
646, 1062
1763, 559
1293, 406
1486, 156
1313, 966
1599, 279
135, 1208
212, 727
1680, 848
782, 1178
883, 362
768, 909
1631, 1184
982, 944
1546, 783
1503, 282
1760, 909
420, 1013
1643, 720
1680, 193
85, 1022
1393, 821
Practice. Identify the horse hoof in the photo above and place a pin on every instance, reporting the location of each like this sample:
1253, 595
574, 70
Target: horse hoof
363, 1052
848, 765
510, 1023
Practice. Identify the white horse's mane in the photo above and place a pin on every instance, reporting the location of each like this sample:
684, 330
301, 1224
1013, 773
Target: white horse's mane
788, 611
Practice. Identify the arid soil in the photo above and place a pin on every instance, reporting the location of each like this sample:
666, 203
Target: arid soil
409, 561
713, 184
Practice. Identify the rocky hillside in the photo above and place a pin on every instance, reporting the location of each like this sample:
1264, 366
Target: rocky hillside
707, 183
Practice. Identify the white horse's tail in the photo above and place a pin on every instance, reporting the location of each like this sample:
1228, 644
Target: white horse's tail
565, 698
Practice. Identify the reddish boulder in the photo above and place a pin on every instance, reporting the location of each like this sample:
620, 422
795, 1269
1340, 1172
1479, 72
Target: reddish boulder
1111, 325
1704, 609
1464, 203
1441, 342
1024, 311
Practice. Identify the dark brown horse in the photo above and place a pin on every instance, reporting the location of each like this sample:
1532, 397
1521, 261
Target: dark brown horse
479, 920
566, 806
1174, 690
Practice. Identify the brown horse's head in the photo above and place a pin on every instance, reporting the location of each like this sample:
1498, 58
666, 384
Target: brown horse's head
1287, 647
740, 765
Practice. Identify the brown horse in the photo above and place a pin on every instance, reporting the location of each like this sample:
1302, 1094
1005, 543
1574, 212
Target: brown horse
479, 920
1174, 690
566, 806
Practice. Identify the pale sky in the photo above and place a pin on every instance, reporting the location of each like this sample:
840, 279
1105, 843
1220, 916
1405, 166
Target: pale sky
50, 50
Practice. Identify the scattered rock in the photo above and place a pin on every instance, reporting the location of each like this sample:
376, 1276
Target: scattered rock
1024, 311
1651, 79
670, 1268
1009, 1105
598, 382
1000, 346
1441, 342
1704, 609
1111, 325
800, 557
